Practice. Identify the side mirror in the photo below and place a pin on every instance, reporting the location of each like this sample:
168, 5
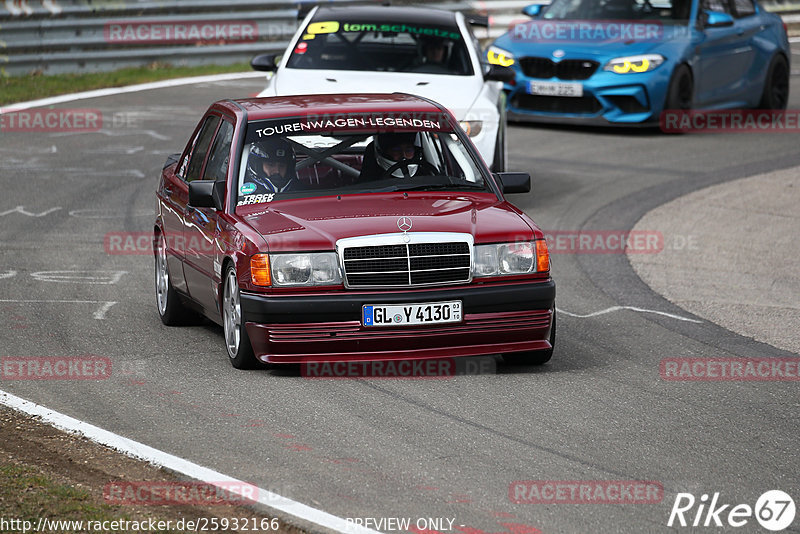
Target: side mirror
265, 62
532, 10
514, 182
207, 194
499, 73
716, 19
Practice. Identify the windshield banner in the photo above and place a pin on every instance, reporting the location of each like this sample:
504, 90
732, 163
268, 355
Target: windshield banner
363, 122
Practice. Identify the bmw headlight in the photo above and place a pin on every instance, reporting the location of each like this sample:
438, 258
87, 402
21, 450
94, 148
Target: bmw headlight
498, 56
308, 269
504, 259
625, 65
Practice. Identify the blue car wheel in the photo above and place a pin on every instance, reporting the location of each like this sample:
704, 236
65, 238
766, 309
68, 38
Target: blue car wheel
776, 85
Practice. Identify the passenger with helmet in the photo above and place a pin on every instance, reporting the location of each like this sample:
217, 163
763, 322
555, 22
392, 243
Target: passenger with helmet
271, 166
398, 152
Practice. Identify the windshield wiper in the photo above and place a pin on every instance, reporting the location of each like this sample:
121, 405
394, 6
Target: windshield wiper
442, 187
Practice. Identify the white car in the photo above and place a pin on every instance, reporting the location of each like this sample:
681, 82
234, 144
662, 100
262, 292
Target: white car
431, 53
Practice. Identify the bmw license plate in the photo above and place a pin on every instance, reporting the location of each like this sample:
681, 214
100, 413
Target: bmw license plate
555, 89
411, 314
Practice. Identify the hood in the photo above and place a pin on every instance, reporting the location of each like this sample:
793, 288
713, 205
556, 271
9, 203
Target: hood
315, 224
457, 93
516, 41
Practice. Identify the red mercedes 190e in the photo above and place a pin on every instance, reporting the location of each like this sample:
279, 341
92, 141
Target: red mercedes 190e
325, 228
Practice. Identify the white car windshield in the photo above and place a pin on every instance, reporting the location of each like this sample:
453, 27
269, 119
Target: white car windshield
300, 158
378, 46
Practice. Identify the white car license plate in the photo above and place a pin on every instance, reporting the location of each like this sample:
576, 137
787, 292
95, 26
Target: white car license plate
411, 314
555, 89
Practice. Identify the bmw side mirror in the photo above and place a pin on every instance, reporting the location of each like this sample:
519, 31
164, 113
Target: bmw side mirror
532, 10
514, 182
499, 73
265, 62
207, 194
716, 19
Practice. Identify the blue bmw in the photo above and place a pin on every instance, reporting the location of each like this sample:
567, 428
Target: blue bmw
625, 61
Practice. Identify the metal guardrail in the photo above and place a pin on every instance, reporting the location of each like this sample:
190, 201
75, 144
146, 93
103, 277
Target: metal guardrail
56, 36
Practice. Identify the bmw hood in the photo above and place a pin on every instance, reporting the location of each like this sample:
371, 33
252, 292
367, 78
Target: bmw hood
457, 93
315, 224
523, 40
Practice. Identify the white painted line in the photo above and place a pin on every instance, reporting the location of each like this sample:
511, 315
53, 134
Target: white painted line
80, 277
179, 465
129, 89
631, 308
8, 274
99, 314
21, 210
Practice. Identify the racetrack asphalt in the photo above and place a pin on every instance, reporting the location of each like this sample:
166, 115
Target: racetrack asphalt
405, 448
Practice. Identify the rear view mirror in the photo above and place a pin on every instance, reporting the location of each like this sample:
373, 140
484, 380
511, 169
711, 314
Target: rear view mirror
265, 62
498, 73
514, 182
207, 194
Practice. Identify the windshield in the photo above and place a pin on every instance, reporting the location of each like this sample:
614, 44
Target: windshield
615, 10
346, 154
395, 47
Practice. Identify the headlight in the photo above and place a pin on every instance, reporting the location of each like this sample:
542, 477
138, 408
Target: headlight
505, 259
309, 269
624, 65
472, 128
498, 56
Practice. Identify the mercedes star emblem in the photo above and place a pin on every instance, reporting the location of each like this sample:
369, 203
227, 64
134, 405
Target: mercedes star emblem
404, 223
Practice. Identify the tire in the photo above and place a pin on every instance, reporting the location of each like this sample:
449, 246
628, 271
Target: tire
170, 308
534, 357
237, 342
681, 89
775, 94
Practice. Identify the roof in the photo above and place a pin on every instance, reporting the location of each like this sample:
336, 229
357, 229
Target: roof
303, 105
388, 14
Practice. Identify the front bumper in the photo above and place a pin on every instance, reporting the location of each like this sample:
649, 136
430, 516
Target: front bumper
608, 99
322, 328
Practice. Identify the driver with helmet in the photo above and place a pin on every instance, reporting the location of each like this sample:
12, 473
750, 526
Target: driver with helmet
271, 166
399, 152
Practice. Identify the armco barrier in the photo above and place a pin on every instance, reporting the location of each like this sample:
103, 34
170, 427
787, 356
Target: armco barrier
52, 36
57, 36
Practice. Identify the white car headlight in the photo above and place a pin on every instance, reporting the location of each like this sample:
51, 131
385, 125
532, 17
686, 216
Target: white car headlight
472, 128
505, 259
498, 56
308, 269
625, 65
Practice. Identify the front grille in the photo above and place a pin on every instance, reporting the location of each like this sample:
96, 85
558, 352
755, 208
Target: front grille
412, 264
568, 69
557, 104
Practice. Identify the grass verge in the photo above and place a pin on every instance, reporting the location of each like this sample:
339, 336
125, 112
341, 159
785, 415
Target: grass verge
23, 88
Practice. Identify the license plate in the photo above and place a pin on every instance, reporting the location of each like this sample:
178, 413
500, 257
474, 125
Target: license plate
555, 89
411, 314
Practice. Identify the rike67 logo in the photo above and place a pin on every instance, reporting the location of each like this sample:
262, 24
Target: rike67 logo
774, 510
